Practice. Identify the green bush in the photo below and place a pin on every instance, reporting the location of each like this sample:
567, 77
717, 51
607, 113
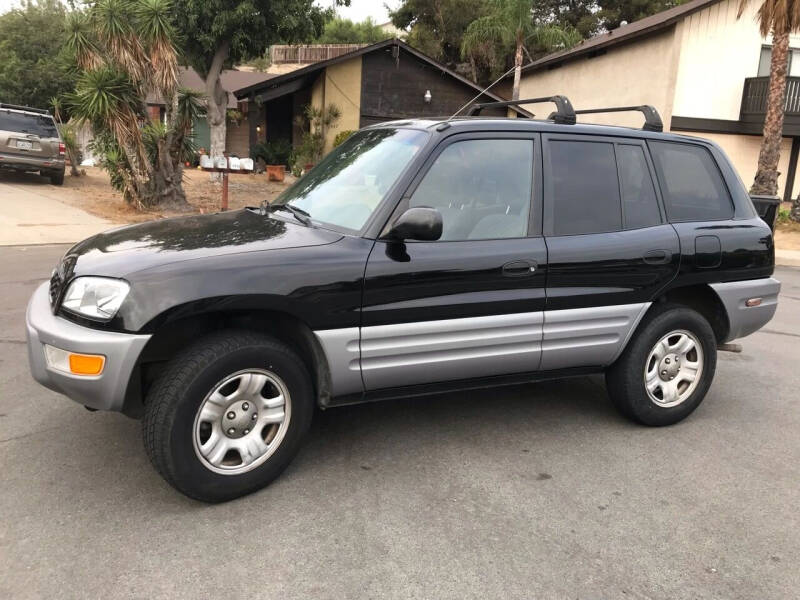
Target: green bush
783, 216
272, 153
342, 136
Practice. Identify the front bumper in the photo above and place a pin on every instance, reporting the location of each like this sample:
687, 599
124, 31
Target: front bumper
103, 392
743, 319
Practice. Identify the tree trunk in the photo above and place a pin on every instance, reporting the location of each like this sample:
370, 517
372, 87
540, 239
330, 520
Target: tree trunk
217, 104
474, 67
766, 179
517, 66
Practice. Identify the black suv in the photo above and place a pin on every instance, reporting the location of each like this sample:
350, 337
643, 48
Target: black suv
418, 257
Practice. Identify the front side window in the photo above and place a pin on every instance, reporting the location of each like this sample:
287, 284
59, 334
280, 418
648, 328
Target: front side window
482, 188
584, 188
692, 185
349, 184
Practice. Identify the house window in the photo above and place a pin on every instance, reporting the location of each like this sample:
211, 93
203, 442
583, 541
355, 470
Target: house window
766, 57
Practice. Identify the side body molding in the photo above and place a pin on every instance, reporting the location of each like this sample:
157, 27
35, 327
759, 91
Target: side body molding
450, 349
403, 354
588, 337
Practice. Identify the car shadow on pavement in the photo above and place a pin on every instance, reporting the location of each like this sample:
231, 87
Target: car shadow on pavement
15, 178
348, 439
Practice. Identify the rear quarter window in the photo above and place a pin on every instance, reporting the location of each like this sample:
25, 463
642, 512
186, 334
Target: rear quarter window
691, 182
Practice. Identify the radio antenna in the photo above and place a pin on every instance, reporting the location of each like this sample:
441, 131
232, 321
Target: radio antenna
484, 90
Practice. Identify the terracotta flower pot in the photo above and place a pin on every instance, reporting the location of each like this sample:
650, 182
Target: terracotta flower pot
276, 172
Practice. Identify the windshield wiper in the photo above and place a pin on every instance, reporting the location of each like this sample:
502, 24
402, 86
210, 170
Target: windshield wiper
300, 214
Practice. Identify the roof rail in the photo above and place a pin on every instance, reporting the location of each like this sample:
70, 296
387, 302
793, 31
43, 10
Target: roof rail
652, 120
41, 111
564, 112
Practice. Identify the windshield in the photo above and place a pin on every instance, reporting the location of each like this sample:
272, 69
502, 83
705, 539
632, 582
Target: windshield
42, 126
347, 186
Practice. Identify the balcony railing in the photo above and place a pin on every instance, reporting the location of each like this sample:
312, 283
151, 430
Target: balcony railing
754, 98
281, 54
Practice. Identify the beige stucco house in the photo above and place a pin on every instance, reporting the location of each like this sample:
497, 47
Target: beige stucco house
703, 69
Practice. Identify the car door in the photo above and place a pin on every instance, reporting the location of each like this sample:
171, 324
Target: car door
610, 248
469, 304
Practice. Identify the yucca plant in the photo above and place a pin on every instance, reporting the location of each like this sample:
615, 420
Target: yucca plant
125, 50
68, 135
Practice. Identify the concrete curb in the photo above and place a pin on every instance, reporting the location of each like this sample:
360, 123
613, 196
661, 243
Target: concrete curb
787, 258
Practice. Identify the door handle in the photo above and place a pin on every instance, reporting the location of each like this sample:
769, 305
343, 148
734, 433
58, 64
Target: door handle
519, 268
657, 257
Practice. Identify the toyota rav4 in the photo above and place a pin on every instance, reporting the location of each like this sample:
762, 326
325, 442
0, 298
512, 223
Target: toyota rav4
418, 257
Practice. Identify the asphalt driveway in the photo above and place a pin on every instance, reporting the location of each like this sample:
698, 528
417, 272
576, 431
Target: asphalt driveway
534, 491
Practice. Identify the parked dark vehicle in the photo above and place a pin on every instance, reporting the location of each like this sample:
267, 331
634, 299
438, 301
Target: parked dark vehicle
418, 257
30, 142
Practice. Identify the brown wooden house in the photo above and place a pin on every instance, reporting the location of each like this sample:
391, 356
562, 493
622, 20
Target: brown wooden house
381, 82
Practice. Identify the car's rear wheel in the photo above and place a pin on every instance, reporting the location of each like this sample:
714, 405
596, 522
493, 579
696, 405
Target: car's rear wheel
666, 370
228, 415
57, 178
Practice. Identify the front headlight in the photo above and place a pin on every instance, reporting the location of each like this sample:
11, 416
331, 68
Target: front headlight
95, 297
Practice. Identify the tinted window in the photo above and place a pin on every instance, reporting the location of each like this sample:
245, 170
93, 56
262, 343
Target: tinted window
481, 187
585, 188
692, 185
42, 126
639, 204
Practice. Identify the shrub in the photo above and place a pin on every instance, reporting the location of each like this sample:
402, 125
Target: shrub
342, 136
272, 153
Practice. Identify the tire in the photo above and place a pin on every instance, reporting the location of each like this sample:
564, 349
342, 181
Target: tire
641, 362
174, 426
57, 178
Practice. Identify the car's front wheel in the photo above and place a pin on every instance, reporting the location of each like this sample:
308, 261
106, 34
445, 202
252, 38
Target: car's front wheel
227, 415
666, 369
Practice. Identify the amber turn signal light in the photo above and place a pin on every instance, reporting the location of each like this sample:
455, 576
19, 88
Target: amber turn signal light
73, 363
86, 364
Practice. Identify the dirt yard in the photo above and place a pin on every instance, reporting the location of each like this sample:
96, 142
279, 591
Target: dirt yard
93, 193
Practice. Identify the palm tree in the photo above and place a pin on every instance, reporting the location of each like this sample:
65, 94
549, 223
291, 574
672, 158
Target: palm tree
510, 22
125, 51
779, 17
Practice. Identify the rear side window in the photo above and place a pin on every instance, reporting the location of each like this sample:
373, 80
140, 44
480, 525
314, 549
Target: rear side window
692, 185
21, 123
584, 187
639, 203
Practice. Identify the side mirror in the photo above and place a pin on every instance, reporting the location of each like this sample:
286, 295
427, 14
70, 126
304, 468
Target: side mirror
420, 223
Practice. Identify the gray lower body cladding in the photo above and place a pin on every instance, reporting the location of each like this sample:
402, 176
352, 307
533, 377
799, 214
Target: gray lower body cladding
452, 349
742, 319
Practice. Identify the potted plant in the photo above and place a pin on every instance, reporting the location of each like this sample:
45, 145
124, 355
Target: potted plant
275, 155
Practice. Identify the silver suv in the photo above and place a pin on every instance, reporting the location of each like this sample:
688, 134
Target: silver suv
29, 141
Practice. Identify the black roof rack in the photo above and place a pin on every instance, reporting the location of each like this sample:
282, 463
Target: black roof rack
652, 120
41, 111
564, 112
